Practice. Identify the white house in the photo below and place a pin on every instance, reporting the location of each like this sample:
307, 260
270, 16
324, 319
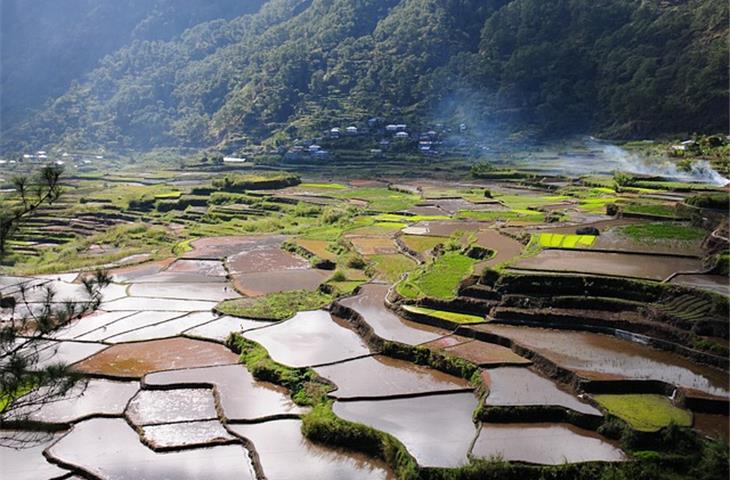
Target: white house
351, 130
401, 135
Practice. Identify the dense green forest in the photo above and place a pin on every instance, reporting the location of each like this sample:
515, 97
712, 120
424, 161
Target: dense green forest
621, 68
46, 44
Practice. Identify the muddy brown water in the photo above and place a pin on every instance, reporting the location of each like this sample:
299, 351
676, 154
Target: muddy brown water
84, 399
380, 376
208, 268
167, 406
136, 359
716, 283
599, 356
520, 386
506, 247
185, 434
656, 267
287, 455
221, 328
544, 443
28, 463
109, 448
309, 338
265, 260
170, 328
715, 426
437, 430
241, 397
369, 303
255, 284
426, 210
475, 351
220, 247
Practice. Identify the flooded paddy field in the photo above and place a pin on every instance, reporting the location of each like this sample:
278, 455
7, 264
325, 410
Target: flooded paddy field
220, 328
167, 398
171, 406
380, 376
309, 338
716, 283
241, 397
255, 284
27, 462
136, 359
95, 397
369, 303
437, 430
280, 444
653, 267
185, 434
478, 352
547, 444
110, 448
511, 386
599, 356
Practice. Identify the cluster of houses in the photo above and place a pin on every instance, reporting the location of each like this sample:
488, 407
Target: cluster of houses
426, 143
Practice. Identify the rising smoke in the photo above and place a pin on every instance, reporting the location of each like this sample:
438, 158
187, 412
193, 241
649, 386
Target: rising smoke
700, 171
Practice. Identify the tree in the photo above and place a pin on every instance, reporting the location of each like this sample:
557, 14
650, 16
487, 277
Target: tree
29, 378
30, 193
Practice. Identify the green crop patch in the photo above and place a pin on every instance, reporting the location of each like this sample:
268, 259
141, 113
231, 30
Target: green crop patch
656, 210
523, 215
438, 279
381, 199
423, 243
275, 306
322, 186
391, 267
560, 240
645, 412
662, 231
455, 317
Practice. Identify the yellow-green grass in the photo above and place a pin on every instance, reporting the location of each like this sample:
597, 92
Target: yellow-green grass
524, 215
275, 306
423, 243
168, 195
317, 247
651, 209
560, 240
524, 202
595, 204
662, 231
381, 199
645, 412
383, 229
462, 318
391, 267
438, 279
322, 186
394, 217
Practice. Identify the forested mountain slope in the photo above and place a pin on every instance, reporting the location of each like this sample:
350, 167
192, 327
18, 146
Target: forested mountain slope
46, 44
626, 68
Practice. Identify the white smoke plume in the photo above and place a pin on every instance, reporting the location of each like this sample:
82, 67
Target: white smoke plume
700, 171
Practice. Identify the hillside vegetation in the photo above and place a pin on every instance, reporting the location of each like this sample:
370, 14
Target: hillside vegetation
625, 68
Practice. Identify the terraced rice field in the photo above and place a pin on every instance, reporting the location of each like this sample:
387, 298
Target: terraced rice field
169, 393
